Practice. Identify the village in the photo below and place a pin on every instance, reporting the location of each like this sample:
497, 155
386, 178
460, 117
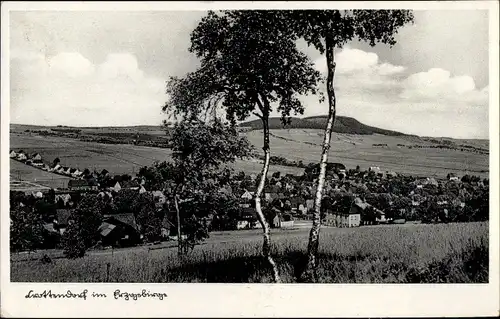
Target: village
353, 198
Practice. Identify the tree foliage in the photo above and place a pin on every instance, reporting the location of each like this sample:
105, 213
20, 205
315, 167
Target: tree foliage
82, 232
26, 229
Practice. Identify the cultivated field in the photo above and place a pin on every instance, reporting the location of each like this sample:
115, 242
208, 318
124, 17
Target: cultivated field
22, 172
292, 144
353, 150
116, 158
454, 253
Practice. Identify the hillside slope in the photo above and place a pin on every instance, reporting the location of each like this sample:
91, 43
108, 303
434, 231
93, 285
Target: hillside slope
343, 124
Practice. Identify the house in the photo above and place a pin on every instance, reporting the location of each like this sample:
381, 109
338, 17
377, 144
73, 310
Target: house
38, 163
21, 156
248, 219
12, 154
64, 198
247, 195
133, 185
76, 173
67, 170
142, 190
36, 157
56, 168
119, 230
117, 187
79, 184
242, 224
351, 218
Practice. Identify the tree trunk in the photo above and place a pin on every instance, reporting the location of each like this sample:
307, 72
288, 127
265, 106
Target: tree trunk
312, 249
266, 247
179, 239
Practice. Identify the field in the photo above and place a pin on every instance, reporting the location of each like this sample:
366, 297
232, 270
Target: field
453, 253
353, 150
292, 144
116, 158
22, 172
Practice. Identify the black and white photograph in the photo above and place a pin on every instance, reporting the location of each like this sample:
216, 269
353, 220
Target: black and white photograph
261, 145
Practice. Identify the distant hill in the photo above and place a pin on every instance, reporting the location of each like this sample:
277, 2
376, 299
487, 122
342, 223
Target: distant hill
343, 124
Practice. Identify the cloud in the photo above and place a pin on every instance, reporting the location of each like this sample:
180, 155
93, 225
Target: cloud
69, 89
434, 102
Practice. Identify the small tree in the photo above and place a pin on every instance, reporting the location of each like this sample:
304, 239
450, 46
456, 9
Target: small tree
200, 151
148, 219
26, 229
82, 232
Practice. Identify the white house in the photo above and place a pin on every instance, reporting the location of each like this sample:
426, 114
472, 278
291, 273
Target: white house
22, 157
117, 187
247, 195
12, 154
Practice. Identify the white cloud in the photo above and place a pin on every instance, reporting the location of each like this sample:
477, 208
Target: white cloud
433, 102
68, 89
437, 83
72, 64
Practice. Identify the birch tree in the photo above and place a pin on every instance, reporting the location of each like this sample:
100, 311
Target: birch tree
249, 65
327, 30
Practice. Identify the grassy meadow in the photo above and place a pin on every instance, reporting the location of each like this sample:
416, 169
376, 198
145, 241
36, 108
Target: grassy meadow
442, 253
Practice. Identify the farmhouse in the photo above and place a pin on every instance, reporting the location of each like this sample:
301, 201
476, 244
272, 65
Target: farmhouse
124, 231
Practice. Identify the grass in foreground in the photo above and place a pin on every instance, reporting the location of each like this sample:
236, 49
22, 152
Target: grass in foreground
452, 253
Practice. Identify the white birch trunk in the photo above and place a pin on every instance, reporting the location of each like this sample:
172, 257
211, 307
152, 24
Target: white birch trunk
312, 250
266, 247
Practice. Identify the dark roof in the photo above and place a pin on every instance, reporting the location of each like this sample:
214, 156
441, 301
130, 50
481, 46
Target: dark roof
127, 219
63, 215
77, 183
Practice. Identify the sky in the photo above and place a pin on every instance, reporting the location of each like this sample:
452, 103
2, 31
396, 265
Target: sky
108, 68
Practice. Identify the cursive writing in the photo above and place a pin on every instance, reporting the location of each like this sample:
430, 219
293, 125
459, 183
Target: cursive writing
144, 294
49, 294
